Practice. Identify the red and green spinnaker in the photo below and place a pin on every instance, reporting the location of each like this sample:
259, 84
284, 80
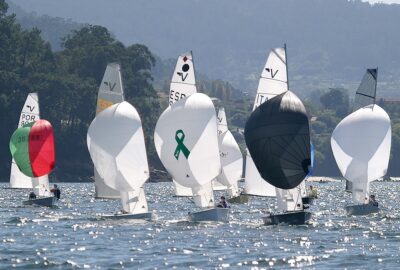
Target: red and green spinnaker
32, 147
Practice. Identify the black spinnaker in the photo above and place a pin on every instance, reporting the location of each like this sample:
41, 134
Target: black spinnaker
277, 135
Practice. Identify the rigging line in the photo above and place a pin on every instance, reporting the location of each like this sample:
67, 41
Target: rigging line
365, 95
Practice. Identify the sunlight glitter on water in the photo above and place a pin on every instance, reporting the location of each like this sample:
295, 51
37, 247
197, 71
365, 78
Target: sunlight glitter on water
73, 236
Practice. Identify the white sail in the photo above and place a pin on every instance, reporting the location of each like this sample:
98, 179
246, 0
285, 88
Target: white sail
254, 184
289, 199
110, 92
222, 122
303, 189
231, 161
30, 113
203, 196
183, 84
273, 81
116, 145
361, 146
186, 141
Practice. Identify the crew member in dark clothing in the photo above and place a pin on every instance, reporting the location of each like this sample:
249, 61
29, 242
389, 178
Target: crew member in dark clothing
56, 191
222, 203
372, 200
32, 196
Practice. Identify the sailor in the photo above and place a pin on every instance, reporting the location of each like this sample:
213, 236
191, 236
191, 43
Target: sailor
56, 191
313, 192
222, 203
32, 196
372, 200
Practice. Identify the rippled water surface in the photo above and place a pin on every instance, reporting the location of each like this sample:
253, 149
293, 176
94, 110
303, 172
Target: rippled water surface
72, 236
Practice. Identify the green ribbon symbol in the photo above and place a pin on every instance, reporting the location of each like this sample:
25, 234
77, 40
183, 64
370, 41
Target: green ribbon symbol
179, 137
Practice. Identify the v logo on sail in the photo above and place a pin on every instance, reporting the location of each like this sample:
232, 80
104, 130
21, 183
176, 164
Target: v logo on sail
271, 71
182, 77
31, 108
110, 85
179, 138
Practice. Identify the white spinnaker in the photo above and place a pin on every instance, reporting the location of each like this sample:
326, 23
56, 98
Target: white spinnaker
361, 145
186, 141
110, 92
273, 81
116, 145
183, 84
30, 113
231, 161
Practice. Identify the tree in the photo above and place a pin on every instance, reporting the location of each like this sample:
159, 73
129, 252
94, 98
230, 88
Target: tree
336, 100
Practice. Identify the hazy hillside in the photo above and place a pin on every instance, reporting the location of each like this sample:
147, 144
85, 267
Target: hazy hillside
330, 42
53, 29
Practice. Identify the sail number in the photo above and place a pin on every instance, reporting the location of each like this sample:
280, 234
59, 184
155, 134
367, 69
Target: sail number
103, 104
27, 118
175, 96
260, 99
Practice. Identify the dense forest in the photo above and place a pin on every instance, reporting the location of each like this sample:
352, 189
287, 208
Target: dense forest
67, 81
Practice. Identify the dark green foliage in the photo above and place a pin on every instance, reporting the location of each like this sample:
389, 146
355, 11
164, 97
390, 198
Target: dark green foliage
67, 82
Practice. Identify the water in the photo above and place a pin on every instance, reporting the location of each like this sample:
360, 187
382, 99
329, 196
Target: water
72, 237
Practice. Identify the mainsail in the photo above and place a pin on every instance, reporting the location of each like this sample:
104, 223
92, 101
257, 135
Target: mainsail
110, 92
186, 141
116, 145
273, 81
30, 113
231, 156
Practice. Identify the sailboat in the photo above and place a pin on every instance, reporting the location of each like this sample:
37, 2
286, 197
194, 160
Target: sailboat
278, 138
30, 113
361, 144
116, 145
183, 84
270, 84
32, 149
231, 160
186, 141
110, 92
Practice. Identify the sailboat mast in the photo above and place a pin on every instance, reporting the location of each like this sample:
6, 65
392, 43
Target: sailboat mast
376, 83
287, 69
